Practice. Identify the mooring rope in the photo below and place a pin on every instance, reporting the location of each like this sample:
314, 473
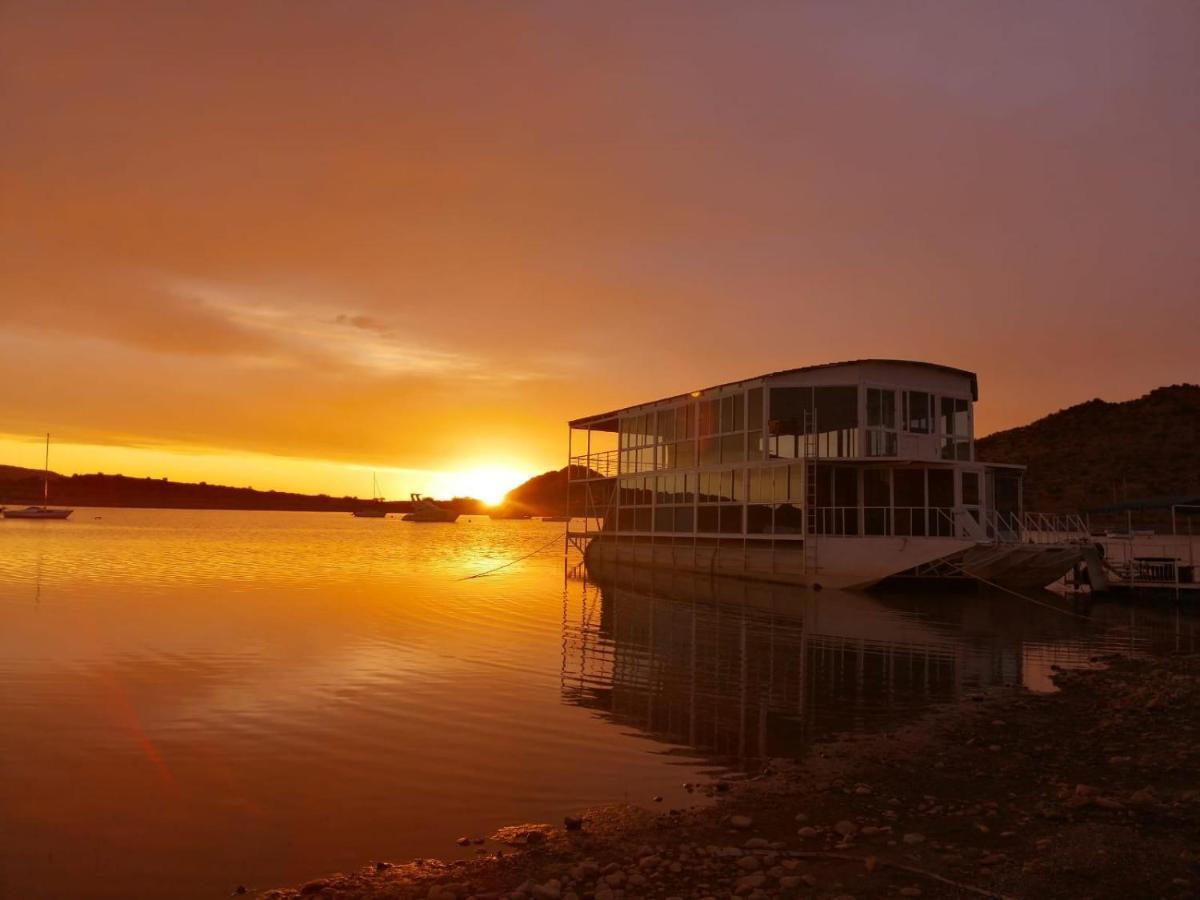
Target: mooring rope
1018, 594
512, 562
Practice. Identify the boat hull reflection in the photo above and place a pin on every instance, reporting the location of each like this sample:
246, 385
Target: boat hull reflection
740, 670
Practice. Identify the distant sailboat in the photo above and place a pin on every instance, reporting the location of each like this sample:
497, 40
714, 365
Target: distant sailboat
376, 510
43, 511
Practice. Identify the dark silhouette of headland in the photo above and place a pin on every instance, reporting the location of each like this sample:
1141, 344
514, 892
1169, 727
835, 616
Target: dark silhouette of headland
20, 486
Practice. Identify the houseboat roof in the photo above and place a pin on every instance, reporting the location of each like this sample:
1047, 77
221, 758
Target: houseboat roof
600, 417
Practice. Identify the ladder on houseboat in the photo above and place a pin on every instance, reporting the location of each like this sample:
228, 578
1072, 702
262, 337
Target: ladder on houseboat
811, 513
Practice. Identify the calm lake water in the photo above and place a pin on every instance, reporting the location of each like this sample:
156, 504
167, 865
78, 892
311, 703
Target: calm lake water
195, 700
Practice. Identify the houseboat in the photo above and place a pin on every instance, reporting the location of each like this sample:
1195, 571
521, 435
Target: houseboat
837, 475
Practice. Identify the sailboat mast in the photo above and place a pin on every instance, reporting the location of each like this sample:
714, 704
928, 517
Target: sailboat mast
46, 474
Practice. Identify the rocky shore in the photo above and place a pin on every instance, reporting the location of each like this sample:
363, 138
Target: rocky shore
1090, 792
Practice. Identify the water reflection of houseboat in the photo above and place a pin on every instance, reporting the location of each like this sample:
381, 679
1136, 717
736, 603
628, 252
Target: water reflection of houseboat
749, 669
743, 669
838, 475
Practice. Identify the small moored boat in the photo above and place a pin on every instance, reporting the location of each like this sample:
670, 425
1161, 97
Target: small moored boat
425, 510
375, 509
37, 512
44, 511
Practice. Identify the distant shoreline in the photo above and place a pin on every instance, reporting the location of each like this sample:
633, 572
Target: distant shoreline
24, 487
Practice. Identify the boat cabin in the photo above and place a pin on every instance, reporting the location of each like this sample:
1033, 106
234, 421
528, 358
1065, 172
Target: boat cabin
867, 448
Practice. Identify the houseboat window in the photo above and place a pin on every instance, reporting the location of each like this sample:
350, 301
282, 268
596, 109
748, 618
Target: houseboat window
881, 443
918, 412
941, 502
762, 484
789, 519
881, 408
956, 417
733, 448
909, 509
831, 413
877, 501
754, 413
758, 518
881, 422
955, 424
970, 488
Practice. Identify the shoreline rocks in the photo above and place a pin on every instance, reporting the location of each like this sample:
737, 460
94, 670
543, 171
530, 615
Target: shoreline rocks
1050, 815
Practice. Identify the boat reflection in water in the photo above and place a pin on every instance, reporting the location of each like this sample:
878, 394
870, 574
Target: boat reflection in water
741, 671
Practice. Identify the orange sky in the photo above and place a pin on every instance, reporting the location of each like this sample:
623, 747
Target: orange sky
289, 243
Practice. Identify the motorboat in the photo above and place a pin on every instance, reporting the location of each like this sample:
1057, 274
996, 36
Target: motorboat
425, 510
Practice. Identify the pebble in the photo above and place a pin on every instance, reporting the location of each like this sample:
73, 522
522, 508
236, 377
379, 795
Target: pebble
741, 822
914, 837
845, 828
808, 832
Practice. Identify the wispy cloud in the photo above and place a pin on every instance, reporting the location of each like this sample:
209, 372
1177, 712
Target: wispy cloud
299, 330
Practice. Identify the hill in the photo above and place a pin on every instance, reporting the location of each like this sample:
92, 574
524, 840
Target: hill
542, 495
1098, 453
20, 487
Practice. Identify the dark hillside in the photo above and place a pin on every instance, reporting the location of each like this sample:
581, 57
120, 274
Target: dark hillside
1098, 453
21, 487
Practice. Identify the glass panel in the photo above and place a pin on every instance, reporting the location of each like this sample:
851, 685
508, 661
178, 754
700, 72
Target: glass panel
709, 416
685, 454
758, 518
788, 404
910, 487
881, 443
845, 487
710, 451
941, 487
779, 490
728, 405
754, 412
836, 408
683, 519
664, 518
881, 408
643, 518
706, 519
666, 426
956, 417
738, 491
789, 519
918, 412
796, 481
877, 489
731, 519
970, 488
761, 483
732, 450
754, 445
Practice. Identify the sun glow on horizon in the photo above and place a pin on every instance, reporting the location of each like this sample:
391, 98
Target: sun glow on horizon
488, 483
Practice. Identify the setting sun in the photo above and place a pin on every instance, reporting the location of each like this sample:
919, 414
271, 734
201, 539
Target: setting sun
486, 483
